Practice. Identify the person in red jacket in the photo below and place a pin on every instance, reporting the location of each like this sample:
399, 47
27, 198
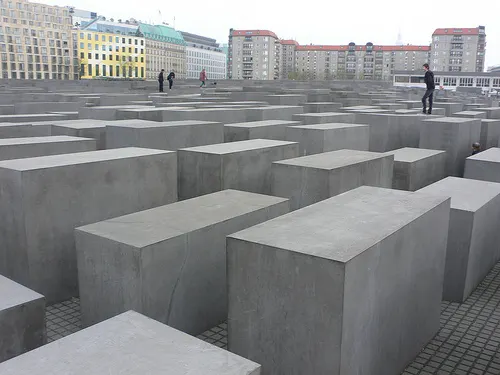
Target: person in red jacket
203, 77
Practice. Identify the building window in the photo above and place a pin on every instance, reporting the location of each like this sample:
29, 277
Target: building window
466, 82
496, 82
449, 81
482, 82
89, 70
104, 70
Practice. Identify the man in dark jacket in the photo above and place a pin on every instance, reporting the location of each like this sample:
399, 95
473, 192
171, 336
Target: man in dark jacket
170, 79
429, 93
161, 79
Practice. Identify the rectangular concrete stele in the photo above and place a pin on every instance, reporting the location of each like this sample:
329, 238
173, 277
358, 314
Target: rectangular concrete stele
415, 111
173, 264
244, 165
490, 133
319, 138
491, 112
18, 148
324, 118
470, 114
223, 115
22, 319
473, 237
415, 168
411, 103
95, 129
129, 344
360, 107
72, 190
267, 129
148, 113
454, 135
310, 179
449, 107
105, 113
484, 166
31, 117
11, 130
171, 135
281, 112
320, 107
288, 99
351, 285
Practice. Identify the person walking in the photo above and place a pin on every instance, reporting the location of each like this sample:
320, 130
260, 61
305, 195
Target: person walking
161, 79
170, 79
203, 77
429, 93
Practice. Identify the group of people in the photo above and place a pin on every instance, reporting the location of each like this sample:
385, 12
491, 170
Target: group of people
171, 77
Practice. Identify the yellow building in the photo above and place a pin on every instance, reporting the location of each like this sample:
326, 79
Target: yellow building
111, 55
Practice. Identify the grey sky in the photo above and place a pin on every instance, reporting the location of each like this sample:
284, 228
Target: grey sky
316, 21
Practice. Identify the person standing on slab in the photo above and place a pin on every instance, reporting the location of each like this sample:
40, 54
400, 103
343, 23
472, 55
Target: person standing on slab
429, 93
170, 79
203, 77
161, 79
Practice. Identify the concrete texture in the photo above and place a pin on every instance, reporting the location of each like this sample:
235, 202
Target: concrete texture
104, 112
31, 117
484, 166
82, 128
22, 319
449, 107
470, 114
473, 238
171, 135
224, 115
324, 118
129, 344
490, 133
319, 138
320, 107
72, 190
172, 264
365, 292
455, 136
287, 99
273, 113
269, 129
147, 113
244, 165
491, 112
17, 148
10, 130
415, 168
310, 179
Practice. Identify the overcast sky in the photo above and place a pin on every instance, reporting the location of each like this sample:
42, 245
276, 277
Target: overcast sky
314, 21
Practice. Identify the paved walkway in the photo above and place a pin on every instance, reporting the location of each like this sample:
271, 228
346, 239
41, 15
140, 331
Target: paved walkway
468, 342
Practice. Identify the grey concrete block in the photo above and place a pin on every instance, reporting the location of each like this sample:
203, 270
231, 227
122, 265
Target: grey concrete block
7, 109
287, 99
484, 166
18, 148
470, 114
415, 111
11, 130
43, 199
223, 115
455, 136
310, 179
473, 238
22, 319
412, 104
320, 107
31, 118
415, 168
273, 113
172, 264
147, 113
105, 113
44, 107
95, 129
268, 129
130, 344
171, 135
449, 107
324, 118
490, 133
244, 165
491, 112
319, 138
351, 285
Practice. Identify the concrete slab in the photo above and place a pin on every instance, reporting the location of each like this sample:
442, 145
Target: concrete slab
18, 148
282, 112
130, 344
72, 190
310, 179
22, 319
484, 166
490, 133
332, 281
319, 107
173, 264
450, 107
470, 114
223, 115
473, 237
244, 165
31, 118
491, 112
415, 168
95, 129
18, 130
319, 138
268, 129
324, 118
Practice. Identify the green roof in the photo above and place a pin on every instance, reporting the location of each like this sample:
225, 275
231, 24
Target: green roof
161, 33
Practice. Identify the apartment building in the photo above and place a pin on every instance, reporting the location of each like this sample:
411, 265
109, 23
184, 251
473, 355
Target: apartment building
204, 53
111, 55
253, 54
36, 41
288, 48
317, 62
165, 49
458, 49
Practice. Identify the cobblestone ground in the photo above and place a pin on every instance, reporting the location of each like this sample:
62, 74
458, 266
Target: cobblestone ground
468, 342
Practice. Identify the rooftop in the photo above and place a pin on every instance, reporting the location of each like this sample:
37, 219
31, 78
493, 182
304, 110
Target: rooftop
162, 33
253, 33
363, 48
457, 31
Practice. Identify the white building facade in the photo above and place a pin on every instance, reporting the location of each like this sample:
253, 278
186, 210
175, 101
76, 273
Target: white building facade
204, 53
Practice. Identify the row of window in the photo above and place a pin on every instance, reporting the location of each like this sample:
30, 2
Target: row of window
454, 81
110, 48
110, 38
36, 8
96, 56
90, 70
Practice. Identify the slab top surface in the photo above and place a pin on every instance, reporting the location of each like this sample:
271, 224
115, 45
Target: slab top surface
129, 344
469, 113
38, 140
158, 224
141, 124
14, 294
52, 161
333, 159
232, 147
331, 125
323, 114
466, 194
342, 227
409, 155
451, 120
257, 124
491, 155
